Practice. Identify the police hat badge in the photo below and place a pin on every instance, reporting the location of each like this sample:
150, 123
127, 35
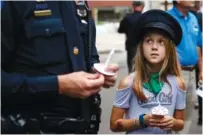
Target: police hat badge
81, 8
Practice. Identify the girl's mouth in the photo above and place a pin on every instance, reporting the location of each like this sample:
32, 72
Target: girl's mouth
154, 54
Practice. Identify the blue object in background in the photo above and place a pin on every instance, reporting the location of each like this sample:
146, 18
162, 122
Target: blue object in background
1, 3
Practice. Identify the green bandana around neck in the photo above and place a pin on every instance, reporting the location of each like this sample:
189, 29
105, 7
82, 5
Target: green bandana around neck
153, 84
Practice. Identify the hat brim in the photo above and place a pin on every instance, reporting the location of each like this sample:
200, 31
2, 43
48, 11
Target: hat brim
158, 20
161, 26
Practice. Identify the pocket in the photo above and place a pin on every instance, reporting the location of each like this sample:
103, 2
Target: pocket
44, 28
46, 39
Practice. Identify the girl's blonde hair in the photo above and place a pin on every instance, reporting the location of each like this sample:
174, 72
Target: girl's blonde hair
142, 70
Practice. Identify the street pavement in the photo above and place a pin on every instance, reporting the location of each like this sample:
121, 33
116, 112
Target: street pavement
106, 39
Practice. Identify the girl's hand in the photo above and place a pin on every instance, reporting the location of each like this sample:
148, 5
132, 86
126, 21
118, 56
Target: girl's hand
147, 117
167, 123
153, 121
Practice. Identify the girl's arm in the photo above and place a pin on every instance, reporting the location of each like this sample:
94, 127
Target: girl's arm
179, 113
176, 122
117, 122
179, 120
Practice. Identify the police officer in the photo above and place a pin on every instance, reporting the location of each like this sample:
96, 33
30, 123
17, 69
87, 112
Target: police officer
45, 84
126, 26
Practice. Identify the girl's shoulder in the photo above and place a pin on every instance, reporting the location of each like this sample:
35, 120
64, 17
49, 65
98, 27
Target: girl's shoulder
126, 82
178, 81
181, 83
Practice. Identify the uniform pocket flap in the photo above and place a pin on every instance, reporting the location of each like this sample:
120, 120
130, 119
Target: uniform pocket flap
45, 27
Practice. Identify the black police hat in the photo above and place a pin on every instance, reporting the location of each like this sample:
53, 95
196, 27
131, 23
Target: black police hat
160, 20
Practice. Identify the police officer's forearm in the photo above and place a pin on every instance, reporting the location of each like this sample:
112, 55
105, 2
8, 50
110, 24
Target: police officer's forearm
66, 84
18, 84
62, 83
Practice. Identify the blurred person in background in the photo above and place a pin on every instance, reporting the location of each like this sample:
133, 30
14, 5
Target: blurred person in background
196, 11
126, 25
188, 50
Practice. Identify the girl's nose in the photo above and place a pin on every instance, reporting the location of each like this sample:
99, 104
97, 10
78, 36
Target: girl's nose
154, 46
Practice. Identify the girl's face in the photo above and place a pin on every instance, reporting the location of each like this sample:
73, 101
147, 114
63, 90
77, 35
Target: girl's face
154, 48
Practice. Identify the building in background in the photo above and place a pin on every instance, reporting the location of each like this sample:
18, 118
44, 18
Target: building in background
113, 11
109, 10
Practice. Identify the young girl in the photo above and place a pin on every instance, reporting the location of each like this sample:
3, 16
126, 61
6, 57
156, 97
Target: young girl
156, 81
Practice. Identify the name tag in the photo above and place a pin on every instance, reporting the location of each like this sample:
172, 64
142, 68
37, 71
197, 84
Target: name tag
42, 9
42, 13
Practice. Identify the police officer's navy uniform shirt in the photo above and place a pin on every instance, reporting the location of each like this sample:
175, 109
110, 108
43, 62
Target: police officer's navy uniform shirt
37, 49
192, 37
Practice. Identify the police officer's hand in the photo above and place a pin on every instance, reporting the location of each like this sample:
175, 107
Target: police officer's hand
111, 80
80, 84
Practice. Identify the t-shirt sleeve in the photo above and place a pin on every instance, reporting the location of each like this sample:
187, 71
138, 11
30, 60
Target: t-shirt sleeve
123, 97
180, 99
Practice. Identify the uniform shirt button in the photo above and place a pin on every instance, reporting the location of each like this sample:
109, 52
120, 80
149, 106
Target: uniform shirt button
75, 50
47, 31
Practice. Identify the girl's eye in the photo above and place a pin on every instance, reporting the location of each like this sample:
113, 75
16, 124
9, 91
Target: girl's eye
149, 41
161, 42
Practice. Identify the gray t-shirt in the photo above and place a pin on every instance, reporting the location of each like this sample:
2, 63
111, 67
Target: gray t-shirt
172, 99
